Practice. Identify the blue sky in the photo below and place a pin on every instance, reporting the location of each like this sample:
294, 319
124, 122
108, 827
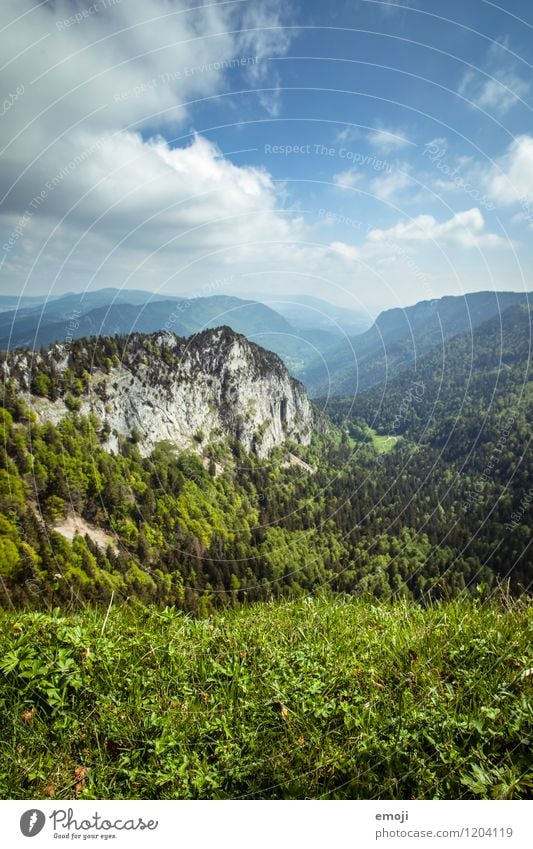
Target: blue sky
374, 154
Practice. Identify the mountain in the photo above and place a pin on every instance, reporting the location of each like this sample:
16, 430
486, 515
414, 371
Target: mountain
159, 388
109, 312
297, 348
400, 337
8, 303
126, 469
26, 325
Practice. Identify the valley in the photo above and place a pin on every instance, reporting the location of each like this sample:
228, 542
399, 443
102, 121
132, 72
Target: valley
219, 482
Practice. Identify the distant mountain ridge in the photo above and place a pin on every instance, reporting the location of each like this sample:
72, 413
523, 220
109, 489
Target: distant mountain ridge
400, 337
179, 315
307, 312
326, 361
21, 325
110, 312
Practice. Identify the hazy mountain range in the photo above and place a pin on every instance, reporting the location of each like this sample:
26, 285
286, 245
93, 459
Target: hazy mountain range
332, 350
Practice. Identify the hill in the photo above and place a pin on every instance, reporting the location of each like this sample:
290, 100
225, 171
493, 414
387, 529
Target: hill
23, 325
107, 312
470, 398
8, 303
131, 473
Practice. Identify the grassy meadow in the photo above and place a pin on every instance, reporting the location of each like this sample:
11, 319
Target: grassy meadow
316, 698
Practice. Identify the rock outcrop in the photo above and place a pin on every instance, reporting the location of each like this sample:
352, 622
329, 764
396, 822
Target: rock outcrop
215, 385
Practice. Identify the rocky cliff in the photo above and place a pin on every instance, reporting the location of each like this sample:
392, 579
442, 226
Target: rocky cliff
159, 387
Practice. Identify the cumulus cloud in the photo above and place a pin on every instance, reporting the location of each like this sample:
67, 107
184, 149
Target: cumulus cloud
391, 184
104, 178
511, 179
347, 179
466, 229
87, 168
345, 251
156, 204
264, 35
496, 95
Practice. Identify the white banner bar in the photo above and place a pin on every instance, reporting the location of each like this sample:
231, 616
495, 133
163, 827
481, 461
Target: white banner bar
268, 824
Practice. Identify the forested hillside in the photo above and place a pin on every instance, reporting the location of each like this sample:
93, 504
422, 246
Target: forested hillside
461, 395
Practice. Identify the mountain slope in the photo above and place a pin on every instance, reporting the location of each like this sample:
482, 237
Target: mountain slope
110, 312
9, 303
445, 508
399, 337
219, 524
474, 392
22, 325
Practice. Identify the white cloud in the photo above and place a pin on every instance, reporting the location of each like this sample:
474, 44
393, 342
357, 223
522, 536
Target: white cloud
267, 39
81, 138
387, 140
162, 207
347, 179
386, 187
465, 229
90, 135
511, 179
128, 66
499, 87
345, 251
497, 95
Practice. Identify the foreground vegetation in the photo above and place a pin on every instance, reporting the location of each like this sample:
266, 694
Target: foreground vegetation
319, 698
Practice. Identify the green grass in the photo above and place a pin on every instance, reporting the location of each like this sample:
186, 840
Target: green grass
308, 699
382, 444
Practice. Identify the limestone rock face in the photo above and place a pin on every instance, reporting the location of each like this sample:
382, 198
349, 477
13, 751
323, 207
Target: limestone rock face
212, 386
